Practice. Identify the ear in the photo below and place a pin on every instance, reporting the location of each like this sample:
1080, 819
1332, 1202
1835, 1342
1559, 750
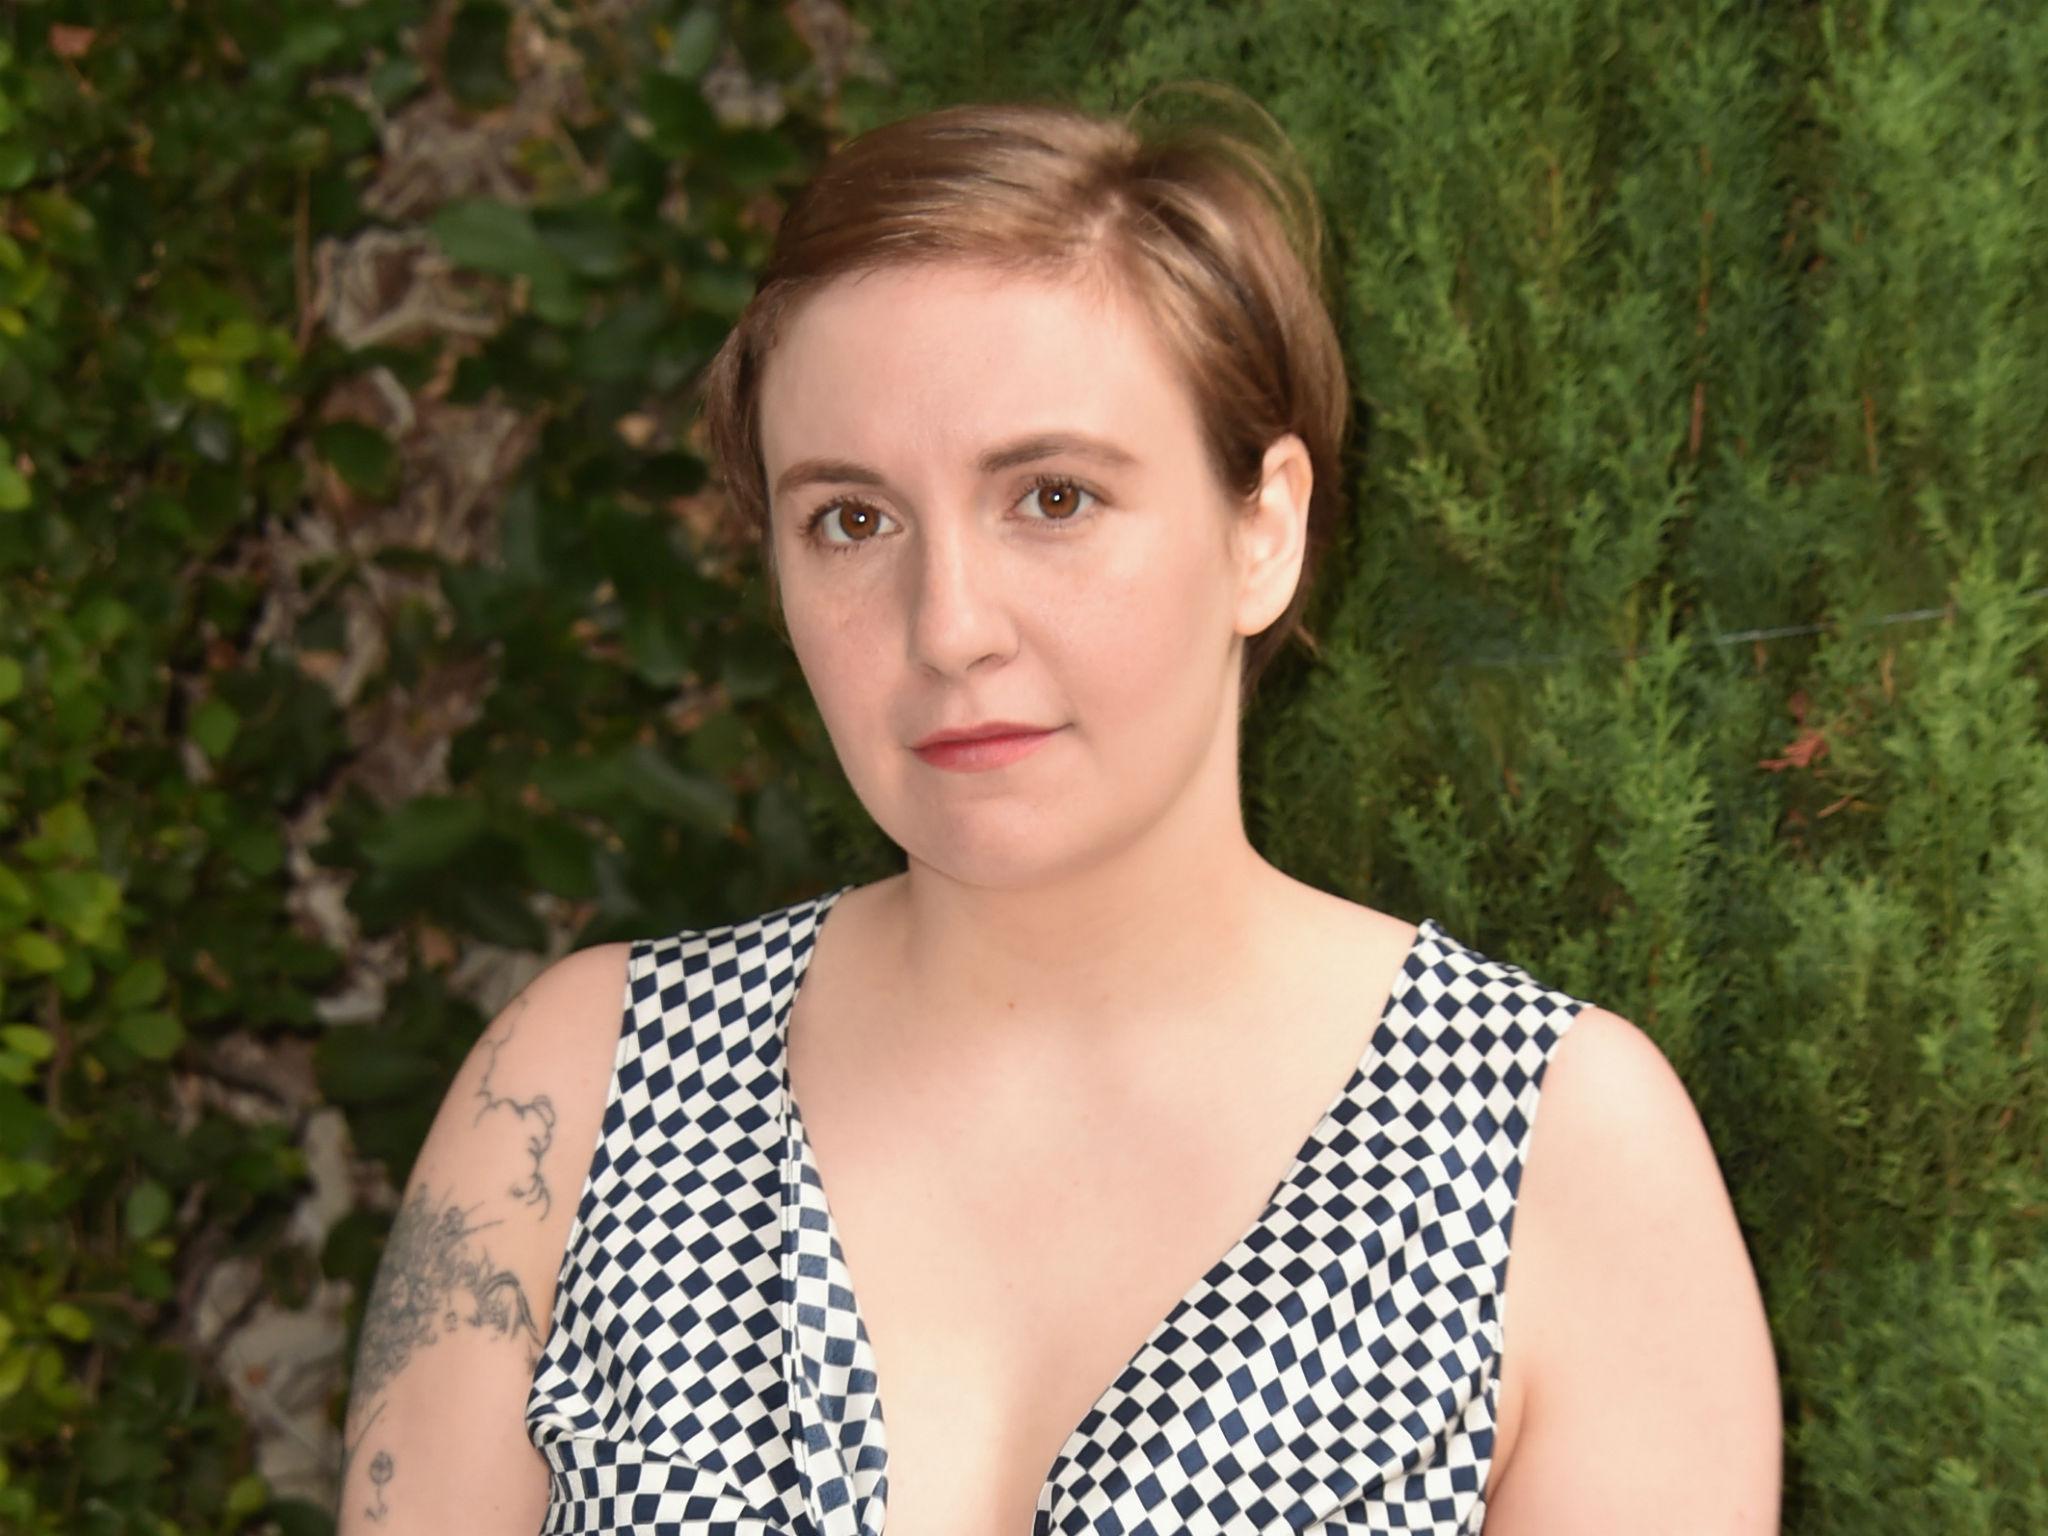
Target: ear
1272, 535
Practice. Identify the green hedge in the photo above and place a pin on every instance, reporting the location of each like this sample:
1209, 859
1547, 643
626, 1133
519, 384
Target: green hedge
1685, 646
1698, 349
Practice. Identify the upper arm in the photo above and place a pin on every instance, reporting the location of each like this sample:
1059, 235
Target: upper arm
435, 1437
1652, 1389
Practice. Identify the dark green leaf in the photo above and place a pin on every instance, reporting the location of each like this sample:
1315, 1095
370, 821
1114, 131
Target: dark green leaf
658, 640
426, 833
499, 237
496, 913
475, 60
155, 1034
17, 165
695, 42
658, 784
591, 240
146, 1210
559, 857
754, 157
681, 120
360, 1064
363, 456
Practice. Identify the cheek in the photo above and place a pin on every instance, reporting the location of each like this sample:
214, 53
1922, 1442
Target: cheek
841, 658
1138, 635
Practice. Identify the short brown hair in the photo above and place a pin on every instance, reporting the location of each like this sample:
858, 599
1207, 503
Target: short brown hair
1219, 239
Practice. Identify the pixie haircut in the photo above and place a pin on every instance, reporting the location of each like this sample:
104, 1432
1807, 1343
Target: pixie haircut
1214, 236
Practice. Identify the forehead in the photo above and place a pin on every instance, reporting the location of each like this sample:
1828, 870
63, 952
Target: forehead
944, 359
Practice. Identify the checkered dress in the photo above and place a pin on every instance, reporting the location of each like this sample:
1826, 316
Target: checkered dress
1337, 1371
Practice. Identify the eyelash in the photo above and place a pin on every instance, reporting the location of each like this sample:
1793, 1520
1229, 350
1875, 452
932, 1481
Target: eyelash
1042, 482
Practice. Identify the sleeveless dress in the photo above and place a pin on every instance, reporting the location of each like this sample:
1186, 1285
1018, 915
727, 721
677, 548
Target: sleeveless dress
707, 1372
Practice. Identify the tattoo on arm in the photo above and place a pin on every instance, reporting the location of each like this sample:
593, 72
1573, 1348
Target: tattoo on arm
350, 1446
431, 1279
539, 1108
434, 1279
381, 1468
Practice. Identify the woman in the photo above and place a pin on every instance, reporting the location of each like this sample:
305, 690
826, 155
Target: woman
1039, 415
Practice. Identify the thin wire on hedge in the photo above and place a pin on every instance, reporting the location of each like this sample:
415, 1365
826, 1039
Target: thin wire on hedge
1733, 637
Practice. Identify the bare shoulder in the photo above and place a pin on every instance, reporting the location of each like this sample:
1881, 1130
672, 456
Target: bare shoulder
519, 1125
525, 1108
1650, 1383
459, 1310
1361, 948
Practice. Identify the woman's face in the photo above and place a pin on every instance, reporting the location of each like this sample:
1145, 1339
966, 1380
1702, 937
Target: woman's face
989, 501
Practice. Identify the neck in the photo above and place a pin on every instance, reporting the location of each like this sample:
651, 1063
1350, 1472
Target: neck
1154, 932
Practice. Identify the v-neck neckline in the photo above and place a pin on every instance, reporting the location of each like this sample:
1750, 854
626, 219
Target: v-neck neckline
1427, 932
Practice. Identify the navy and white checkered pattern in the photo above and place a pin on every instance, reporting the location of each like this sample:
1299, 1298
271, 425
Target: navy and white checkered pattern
1337, 1371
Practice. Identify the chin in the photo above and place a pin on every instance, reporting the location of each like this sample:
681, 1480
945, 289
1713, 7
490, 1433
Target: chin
1010, 847
996, 864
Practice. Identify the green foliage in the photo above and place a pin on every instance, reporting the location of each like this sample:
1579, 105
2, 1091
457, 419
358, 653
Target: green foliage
639, 752
147, 381
1672, 327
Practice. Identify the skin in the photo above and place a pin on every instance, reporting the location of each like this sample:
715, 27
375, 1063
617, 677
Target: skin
434, 1438
1120, 843
923, 589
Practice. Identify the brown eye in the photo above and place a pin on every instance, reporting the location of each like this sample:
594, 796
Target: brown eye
855, 522
1059, 500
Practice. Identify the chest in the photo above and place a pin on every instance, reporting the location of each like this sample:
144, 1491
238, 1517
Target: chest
999, 1328
1006, 1285
1016, 1238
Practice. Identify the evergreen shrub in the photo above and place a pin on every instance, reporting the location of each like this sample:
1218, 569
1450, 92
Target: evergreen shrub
1689, 641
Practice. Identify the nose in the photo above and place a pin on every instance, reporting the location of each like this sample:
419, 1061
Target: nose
959, 615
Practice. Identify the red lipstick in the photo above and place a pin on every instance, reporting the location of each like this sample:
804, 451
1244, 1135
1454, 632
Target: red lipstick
977, 748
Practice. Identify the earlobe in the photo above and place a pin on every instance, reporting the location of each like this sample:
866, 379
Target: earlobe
1273, 535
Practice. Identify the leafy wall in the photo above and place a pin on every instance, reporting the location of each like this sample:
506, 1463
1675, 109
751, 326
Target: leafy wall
368, 637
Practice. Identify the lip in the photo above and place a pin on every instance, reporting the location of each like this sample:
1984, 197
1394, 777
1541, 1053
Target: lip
980, 732
994, 745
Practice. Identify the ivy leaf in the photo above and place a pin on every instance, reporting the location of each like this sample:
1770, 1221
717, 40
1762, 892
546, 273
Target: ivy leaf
214, 724
680, 120
68, 1321
255, 847
360, 1065
496, 913
425, 833
756, 157
363, 457
63, 833
146, 1210
82, 902
17, 165
590, 239
475, 57
138, 986
494, 236
558, 857
694, 44
155, 1035
14, 489
660, 786
30, 1041
35, 952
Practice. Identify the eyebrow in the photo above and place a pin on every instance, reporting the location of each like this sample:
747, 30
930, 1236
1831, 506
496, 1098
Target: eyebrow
1024, 450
